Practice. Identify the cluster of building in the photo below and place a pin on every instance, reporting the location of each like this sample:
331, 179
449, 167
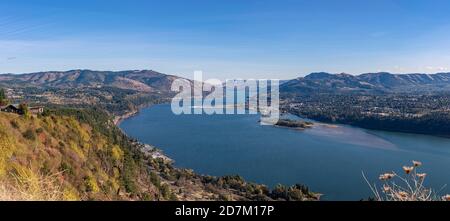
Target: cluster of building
14, 108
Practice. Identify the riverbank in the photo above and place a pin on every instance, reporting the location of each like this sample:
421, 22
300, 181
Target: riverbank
147, 149
386, 124
131, 113
119, 119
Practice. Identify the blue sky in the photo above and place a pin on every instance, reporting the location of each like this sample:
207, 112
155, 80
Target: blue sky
226, 38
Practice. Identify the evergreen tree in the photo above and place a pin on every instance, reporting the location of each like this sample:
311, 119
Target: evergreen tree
2, 94
3, 97
23, 107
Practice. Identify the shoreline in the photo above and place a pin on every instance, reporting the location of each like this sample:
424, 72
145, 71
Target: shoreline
120, 118
147, 149
337, 125
131, 113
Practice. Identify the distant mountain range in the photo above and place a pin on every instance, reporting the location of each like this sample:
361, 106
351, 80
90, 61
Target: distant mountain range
382, 82
152, 81
144, 80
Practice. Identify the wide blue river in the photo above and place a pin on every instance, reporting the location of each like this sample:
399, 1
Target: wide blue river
330, 159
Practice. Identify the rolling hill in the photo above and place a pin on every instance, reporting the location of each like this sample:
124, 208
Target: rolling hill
382, 82
143, 80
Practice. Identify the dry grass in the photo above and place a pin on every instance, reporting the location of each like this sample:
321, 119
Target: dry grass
25, 186
406, 187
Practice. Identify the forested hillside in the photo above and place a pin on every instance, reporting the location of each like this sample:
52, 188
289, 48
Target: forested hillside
79, 154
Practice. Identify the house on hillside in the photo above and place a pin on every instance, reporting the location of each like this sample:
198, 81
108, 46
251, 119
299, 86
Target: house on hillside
12, 108
36, 110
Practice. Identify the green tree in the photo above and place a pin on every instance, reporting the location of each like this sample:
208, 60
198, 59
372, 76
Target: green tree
3, 97
23, 107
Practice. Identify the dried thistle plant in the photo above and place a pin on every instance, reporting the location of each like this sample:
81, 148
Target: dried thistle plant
409, 188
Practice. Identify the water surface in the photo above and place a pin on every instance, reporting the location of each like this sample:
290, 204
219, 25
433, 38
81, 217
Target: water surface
328, 159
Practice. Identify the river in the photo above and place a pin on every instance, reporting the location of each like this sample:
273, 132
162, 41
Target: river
329, 159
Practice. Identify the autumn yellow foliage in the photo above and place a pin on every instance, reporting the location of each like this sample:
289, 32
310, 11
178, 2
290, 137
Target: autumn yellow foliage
64, 160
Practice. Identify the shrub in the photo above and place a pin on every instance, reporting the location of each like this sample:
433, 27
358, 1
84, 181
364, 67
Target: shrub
154, 178
29, 134
66, 168
165, 191
14, 124
39, 130
91, 184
